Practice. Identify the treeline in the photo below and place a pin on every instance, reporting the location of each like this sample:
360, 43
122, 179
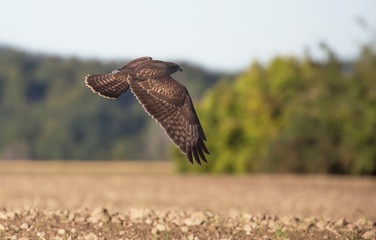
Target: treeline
47, 112
290, 115
293, 115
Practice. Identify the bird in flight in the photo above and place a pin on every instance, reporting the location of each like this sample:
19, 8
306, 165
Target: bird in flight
162, 97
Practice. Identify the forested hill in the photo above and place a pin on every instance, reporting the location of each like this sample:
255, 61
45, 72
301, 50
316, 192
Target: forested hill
47, 112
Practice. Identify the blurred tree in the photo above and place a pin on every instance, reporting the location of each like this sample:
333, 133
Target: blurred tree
293, 116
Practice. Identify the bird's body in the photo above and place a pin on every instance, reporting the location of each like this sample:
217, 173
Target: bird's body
163, 98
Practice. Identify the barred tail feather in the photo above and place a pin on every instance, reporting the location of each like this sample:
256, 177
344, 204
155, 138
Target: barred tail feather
106, 85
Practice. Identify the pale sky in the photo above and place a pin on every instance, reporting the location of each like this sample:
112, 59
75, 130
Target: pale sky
220, 35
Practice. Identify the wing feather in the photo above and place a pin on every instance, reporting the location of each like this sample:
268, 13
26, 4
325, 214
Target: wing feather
107, 85
169, 103
112, 85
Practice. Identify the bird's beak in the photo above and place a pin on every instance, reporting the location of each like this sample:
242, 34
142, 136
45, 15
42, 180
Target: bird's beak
180, 69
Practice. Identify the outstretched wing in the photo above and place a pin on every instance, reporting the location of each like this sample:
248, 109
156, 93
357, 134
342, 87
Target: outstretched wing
169, 103
107, 85
112, 85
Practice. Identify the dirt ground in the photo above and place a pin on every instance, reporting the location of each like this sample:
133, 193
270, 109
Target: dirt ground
131, 200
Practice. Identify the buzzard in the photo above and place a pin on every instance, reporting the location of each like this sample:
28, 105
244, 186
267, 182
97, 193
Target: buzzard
162, 97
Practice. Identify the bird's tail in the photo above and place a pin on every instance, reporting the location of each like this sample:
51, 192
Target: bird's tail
106, 85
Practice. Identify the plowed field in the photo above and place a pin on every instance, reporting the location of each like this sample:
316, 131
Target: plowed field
131, 200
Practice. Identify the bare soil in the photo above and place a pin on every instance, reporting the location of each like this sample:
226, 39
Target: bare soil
132, 200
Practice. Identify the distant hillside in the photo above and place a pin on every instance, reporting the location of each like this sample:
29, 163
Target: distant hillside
47, 112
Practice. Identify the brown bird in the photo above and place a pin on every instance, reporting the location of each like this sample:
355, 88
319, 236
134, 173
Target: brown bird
162, 97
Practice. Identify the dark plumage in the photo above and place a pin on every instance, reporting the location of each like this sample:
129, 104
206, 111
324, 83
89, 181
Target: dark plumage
163, 98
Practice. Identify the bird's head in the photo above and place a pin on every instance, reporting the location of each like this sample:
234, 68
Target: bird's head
173, 67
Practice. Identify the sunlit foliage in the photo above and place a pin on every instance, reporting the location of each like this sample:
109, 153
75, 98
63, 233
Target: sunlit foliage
293, 115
